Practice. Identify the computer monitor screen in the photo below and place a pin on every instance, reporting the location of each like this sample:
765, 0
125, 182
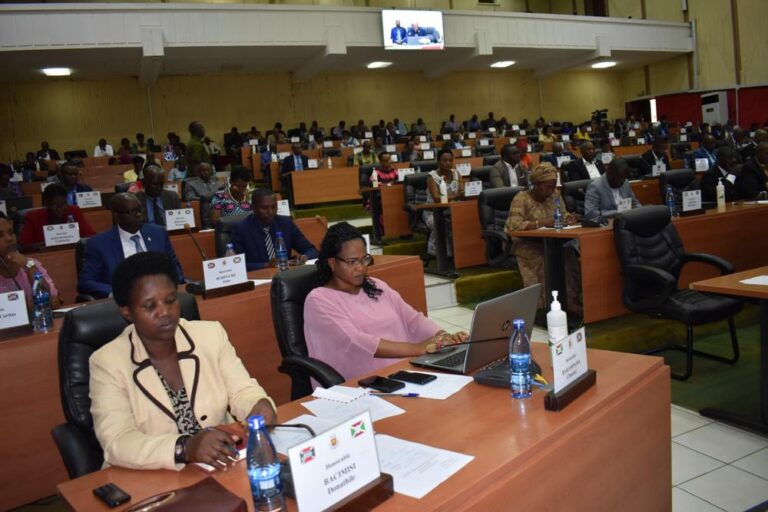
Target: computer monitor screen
412, 30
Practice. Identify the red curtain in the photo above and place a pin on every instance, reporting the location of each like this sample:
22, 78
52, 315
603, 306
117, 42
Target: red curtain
683, 107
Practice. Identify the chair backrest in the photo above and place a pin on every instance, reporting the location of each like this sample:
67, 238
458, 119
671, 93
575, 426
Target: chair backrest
223, 231
85, 330
679, 149
574, 194
364, 173
483, 174
485, 150
680, 180
424, 165
80, 248
75, 153
636, 167
646, 236
415, 188
122, 187
491, 159
493, 207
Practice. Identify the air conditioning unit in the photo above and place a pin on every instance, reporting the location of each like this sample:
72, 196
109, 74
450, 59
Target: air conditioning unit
714, 107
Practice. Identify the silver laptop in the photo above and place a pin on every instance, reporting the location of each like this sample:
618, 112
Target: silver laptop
492, 319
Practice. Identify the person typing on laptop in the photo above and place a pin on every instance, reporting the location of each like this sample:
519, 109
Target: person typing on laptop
358, 324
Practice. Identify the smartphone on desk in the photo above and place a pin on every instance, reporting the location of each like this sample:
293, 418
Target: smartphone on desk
112, 495
413, 377
381, 384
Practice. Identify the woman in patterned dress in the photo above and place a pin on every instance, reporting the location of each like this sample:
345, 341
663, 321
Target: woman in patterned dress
235, 198
445, 172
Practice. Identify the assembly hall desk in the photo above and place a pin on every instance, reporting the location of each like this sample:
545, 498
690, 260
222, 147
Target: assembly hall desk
607, 451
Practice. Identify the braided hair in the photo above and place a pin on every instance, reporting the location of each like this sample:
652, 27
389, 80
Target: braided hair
336, 236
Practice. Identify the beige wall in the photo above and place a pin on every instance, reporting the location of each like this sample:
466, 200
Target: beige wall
752, 15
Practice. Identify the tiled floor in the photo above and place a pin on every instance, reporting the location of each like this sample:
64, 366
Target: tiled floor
714, 467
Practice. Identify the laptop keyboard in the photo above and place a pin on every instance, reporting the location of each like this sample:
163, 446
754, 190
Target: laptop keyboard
452, 360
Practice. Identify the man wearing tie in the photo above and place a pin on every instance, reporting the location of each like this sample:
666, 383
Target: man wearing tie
256, 236
155, 199
130, 235
295, 161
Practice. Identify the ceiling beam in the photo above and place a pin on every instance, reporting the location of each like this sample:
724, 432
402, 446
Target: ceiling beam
602, 50
335, 49
482, 48
153, 52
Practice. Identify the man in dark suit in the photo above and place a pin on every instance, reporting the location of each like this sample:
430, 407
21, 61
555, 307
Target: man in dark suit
586, 167
155, 199
130, 235
558, 155
295, 161
46, 153
602, 200
753, 177
655, 156
724, 168
256, 236
509, 171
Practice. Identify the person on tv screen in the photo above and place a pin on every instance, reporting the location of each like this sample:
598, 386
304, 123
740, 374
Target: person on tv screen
415, 30
398, 34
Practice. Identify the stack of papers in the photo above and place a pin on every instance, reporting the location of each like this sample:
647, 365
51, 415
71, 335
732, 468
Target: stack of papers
341, 394
336, 412
758, 280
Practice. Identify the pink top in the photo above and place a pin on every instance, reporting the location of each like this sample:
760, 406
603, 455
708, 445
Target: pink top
344, 330
7, 284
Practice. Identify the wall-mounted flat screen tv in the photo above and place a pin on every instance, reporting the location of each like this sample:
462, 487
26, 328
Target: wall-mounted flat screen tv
412, 30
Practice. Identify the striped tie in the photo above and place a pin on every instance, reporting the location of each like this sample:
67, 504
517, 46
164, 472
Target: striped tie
136, 242
268, 243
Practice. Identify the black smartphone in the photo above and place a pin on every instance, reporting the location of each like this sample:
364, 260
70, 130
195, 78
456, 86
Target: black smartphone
381, 384
413, 377
112, 495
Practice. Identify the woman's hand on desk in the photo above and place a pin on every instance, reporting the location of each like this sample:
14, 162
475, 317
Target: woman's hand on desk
443, 339
264, 408
213, 447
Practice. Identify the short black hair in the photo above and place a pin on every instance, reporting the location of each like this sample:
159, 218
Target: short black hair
330, 247
442, 152
261, 192
239, 173
53, 191
142, 264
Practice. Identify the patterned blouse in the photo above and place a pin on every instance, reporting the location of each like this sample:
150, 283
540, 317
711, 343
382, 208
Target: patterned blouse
185, 416
223, 202
525, 210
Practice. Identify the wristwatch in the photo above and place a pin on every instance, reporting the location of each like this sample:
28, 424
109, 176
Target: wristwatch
180, 451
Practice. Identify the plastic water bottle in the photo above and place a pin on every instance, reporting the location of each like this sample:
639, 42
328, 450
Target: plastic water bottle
281, 251
443, 192
558, 215
263, 468
671, 201
519, 361
330, 163
42, 319
230, 250
720, 193
375, 179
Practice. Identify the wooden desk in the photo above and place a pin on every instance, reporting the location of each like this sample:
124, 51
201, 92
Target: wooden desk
731, 285
647, 191
325, 185
739, 234
619, 427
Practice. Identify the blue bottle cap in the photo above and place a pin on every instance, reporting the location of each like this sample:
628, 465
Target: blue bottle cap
256, 421
519, 323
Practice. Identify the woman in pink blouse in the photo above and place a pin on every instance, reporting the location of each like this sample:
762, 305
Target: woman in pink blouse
357, 323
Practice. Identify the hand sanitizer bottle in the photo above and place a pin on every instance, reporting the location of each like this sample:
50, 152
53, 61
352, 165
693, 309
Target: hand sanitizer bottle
720, 193
557, 321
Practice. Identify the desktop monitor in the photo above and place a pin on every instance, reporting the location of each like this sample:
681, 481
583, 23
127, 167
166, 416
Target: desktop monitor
412, 30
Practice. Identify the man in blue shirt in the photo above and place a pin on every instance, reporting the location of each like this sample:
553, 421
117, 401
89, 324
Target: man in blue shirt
256, 236
68, 176
398, 34
706, 150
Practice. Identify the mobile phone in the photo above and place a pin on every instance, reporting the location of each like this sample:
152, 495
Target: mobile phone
381, 384
112, 495
413, 377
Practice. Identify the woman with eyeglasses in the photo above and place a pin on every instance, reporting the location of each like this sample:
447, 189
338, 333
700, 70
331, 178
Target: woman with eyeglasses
356, 323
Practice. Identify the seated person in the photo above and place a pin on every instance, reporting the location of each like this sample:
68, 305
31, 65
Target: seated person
135, 175
411, 154
509, 172
55, 210
754, 174
455, 142
725, 170
103, 149
162, 367
581, 133
358, 324
296, 161
587, 167
46, 153
706, 150
445, 172
366, 156
179, 172
547, 136
533, 209
655, 156
348, 140
128, 236
8, 188
234, 199
256, 236
68, 176
268, 156
603, 194
140, 147
18, 270
202, 187
558, 157
155, 200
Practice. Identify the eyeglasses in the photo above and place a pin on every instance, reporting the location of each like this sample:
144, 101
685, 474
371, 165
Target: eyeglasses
353, 262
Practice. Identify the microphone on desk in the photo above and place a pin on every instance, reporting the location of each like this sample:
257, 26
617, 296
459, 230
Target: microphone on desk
195, 287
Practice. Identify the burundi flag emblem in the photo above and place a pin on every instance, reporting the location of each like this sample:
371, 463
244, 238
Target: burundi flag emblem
357, 429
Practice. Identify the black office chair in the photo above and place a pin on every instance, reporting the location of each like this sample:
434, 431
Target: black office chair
415, 192
122, 187
652, 257
331, 152
490, 149
288, 293
80, 248
679, 149
636, 164
223, 231
491, 159
424, 165
574, 194
493, 210
85, 330
364, 174
680, 180
482, 174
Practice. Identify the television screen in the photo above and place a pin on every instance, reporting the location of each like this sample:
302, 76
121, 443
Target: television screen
412, 30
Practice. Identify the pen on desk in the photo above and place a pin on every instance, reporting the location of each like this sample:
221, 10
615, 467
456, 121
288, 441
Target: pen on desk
406, 395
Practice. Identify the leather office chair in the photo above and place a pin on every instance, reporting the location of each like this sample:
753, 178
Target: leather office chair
80, 248
424, 165
331, 152
415, 192
122, 187
574, 194
680, 180
364, 174
482, 174
635, 164
491, 159
493, 210
288, 293
652, 257
679, 149
490, 149
85, 330
223, 231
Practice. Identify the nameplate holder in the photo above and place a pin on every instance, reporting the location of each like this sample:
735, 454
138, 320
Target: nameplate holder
472, 135
464, 168
428, 155
683, 138
328, 144
295, 140
473, 188
571, 373
446, 136
691, 202
4, 208
88, 199
61, 234
606, 158
173, 187
491, 129
566, 138
559, 401
394, 158
284, 207
402, 173
368, 135
312, 163
658, 169
702, 164
13, 311
176, 220
422, 138
641, 141
466, 153
225, 276
390, 148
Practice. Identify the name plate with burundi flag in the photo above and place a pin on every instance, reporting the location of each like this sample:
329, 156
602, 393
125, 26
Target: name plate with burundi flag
226, 271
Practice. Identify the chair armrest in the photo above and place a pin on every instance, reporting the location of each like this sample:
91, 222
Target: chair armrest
76, 450
725, 266
323, 373
664, 279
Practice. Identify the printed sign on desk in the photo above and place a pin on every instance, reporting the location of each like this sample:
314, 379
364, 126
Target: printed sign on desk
334, 464
327, 143
641, 140
691, 200
515, 127
61, 234
88, 199
472, 135
683, 138
422, 138
702, 164
569, 359
425, 146
615, 142
446, 136
172, 187
283, 155
13, 309
295, 140
394, 158
312, 163
466, 152
566, 138
391, 148
482, 142
284, 208
175, 219
464, 168
428, 155
522, 132
659, 168
226, 271
357, 150
473, 188
631, 133
492, 129
562, 160
625, 203
402, 173
368, 135
606, 158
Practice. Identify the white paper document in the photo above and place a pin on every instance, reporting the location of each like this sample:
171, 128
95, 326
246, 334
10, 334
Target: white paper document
441, 388
338, 412
284, 438
417, 468
259, 282
758, 280
343, 394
